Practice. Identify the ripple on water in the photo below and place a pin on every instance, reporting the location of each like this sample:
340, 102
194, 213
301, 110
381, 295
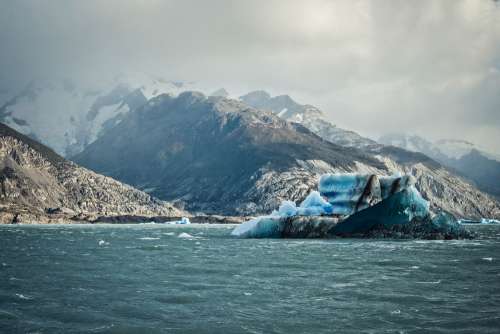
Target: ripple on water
218, 284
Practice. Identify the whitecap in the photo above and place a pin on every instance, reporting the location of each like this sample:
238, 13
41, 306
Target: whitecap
343, 285
23, 296
431, 282
103, 243
247, 293
185, 235
487, 259
149, 238
396, 312
169, 233
414, 267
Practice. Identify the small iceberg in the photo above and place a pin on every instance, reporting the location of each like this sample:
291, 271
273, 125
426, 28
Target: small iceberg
489, 221
185, 236
183, 221
480, 221
353, 205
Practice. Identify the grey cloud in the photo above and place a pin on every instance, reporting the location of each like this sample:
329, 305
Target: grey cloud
429, 67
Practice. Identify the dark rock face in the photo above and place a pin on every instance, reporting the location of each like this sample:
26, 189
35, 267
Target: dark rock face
217, 155
36, 182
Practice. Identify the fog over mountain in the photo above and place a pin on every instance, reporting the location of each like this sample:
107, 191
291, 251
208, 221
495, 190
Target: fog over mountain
429, 66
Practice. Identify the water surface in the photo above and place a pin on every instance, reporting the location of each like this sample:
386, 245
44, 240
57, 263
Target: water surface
197, 279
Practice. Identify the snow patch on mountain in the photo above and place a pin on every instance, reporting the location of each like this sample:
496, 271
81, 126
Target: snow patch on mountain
67, 115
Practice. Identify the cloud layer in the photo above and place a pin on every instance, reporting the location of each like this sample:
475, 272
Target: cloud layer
426, 67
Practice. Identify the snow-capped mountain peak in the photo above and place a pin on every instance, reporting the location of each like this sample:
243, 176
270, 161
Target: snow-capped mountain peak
67, 115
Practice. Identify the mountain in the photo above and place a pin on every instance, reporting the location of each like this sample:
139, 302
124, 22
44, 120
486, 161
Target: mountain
219, 155
309, 116
436, 177
481, 167
220, 93
36, 182
82, 111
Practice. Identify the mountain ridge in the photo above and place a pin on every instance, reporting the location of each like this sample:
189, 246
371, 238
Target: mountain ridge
480, 167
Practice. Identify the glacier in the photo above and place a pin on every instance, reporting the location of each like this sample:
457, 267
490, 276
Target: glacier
356, 205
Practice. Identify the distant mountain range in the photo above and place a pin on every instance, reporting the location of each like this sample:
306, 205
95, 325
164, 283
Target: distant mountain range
38, 185
481, 167
222, 155
185, 150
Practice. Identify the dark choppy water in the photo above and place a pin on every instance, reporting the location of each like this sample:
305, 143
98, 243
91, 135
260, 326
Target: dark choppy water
146, 279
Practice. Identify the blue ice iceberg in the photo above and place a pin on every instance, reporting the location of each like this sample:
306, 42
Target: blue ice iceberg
312, 205
401, 208
271, 226
350, 193
356, 205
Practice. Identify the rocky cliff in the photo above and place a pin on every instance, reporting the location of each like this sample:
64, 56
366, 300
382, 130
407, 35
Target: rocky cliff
37, 184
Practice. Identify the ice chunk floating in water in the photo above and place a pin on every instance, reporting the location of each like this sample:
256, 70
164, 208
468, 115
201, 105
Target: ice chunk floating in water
183, 221
270, 226
185, 235
356, 205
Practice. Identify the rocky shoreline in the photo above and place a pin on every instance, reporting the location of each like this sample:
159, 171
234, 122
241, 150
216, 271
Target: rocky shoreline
34, 218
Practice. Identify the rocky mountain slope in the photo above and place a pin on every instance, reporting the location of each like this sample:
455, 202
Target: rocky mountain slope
221, 155
36, 185
81, 110
481, 167
217, 155
307, 115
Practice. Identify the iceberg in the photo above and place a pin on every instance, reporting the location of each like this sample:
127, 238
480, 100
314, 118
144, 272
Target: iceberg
354, 205
312, 205
272, 227
183, 221
350, 193
489, 221
401, 208
480, 221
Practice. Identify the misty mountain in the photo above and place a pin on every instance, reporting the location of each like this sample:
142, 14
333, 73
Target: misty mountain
481, 167
309, 116
218, 155
35, 181
67, 115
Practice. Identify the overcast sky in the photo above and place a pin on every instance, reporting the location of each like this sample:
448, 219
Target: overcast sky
425, 67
